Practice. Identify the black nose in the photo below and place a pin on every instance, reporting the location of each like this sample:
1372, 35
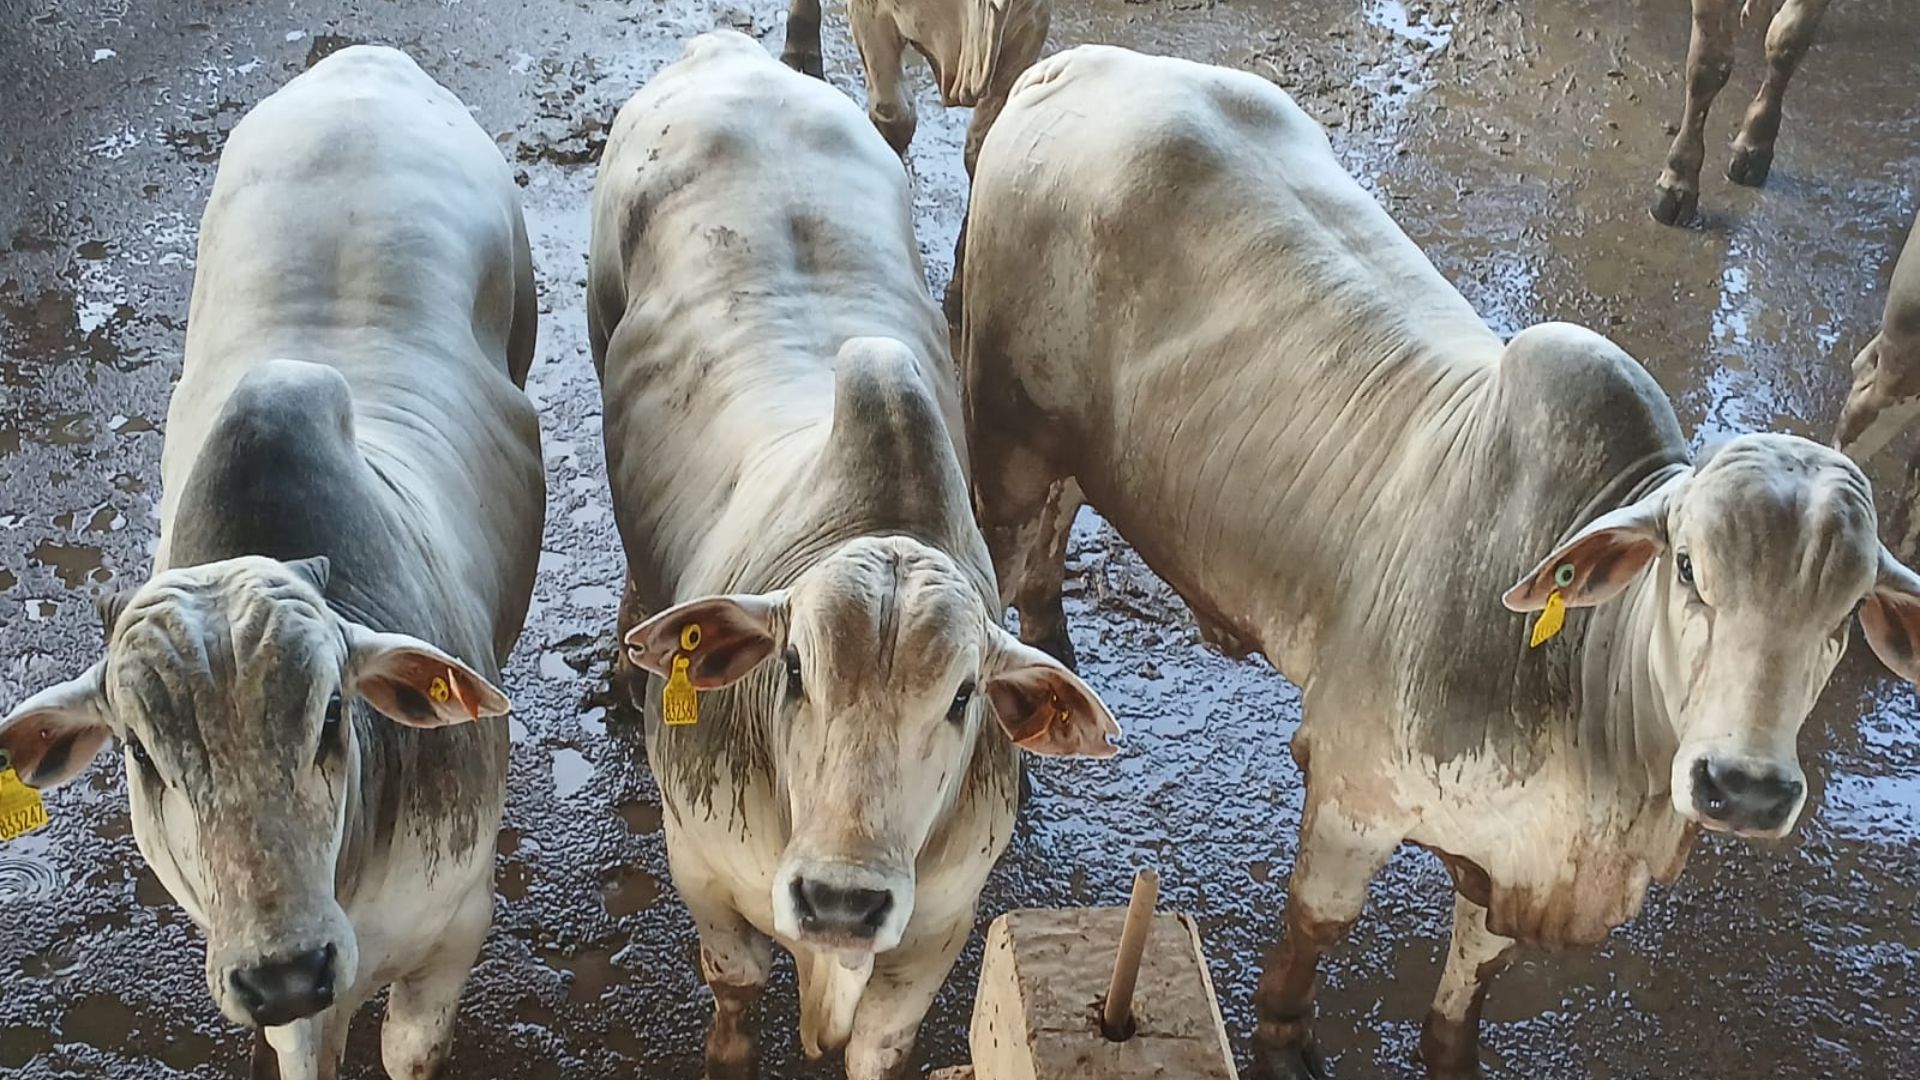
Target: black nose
1749, 800
282, 991
836, 909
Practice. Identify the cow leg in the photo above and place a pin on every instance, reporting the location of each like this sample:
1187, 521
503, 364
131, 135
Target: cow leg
1450, 1038
1037, 589
802, 50
418, 1033
1020, 46
1327, 892
1709, 64
1788, 38
897, 999
881, 52
734, 959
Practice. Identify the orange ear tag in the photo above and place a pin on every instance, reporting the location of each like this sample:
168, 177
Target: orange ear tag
679, 702
1554, 615
21, 810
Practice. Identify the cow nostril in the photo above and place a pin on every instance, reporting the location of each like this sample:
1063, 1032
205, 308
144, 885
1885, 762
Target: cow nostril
802, 905
878, 910
1708, 795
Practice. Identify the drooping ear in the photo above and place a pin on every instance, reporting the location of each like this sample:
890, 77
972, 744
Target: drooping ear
416, 684
315, 570
724, 637
1045, 708
1891, 618
52, 735
1601, 559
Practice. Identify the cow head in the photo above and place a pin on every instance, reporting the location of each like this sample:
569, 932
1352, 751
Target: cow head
891, 663
231, 687
1759, 557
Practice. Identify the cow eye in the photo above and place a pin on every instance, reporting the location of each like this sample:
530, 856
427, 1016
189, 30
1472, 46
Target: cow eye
794, 688
139, 754
957, 712
330, 727
1683, 566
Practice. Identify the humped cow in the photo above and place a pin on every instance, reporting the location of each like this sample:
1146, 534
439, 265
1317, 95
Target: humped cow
977, 48
1885, 397
1301, 426
305, 688
1709, 66
834, 707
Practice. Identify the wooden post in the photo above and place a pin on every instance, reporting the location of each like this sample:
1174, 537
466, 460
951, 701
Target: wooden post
1117, 1018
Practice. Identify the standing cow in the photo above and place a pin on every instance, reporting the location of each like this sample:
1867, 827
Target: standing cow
835, 737
977, 48
1268, 389
1709, 65
1886, 375
305, 687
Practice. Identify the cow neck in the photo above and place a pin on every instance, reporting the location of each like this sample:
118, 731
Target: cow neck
1627, 732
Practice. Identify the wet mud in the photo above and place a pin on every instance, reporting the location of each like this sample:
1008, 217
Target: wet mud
1517, 143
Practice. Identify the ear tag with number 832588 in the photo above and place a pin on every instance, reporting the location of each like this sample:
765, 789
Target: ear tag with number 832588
679, 702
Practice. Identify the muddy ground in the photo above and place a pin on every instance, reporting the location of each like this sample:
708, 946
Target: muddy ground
1517, 142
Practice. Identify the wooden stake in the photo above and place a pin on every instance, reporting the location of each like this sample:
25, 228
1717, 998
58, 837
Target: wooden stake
1117, 1020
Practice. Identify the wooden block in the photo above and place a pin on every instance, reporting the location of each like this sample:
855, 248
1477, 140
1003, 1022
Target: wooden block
1044, 979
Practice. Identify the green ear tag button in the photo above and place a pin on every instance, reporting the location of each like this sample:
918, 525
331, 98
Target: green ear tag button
1563, 575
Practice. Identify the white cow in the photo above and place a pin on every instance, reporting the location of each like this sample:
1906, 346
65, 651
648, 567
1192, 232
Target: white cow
1885, 397
782, 440
351, 520
1186, 310
977, 48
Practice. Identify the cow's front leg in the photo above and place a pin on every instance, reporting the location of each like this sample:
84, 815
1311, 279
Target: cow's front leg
418, 1033
802, 50
1450, 1038
1788, 38
299, 1049
1020, 46
734, 959
898, 996
882, 50
1709, 64
1327, 892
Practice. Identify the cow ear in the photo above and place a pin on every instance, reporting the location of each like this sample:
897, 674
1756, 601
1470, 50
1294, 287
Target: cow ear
54, 734
1891, 617
1045, 708
724, 637
109, 606
416, 684
315, 570
1601, 559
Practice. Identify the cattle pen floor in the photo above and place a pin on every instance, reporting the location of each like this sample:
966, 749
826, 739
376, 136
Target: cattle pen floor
1516, 142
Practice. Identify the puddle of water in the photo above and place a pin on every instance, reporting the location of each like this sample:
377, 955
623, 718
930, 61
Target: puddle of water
642, 818
28, 873
571, 771
589, 971
76, 565
630, 890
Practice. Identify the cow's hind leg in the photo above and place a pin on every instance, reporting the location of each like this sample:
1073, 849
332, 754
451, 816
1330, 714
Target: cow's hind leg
1037, 586
882, 50
418, 1033
1328, 890
802, 50
1709, 64
1450, 1038
1788, 38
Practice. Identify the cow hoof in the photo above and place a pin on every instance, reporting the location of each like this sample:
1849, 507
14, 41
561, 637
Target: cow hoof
1675, 206
1290, 1063
1750, 165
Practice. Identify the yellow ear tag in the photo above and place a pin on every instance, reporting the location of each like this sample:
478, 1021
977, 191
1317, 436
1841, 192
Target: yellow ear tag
438, 690
1554, 615
21, 810
679, 702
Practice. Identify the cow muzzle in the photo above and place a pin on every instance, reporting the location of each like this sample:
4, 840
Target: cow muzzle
1745, 797
842, 906
287, 988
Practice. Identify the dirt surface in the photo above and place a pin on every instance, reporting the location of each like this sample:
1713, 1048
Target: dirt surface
1518, 143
